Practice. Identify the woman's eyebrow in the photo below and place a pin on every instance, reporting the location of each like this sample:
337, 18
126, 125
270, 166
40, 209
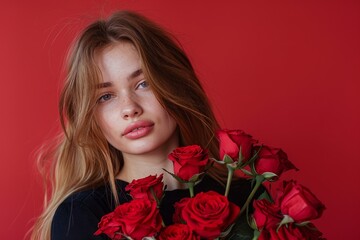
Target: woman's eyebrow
135, 74
131, 76
104, 85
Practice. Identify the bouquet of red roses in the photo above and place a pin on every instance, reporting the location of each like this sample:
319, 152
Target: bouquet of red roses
210, 215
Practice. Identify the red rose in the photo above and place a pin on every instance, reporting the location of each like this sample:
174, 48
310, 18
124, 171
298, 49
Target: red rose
292, 232
139, 218
109, 225
141, 188
178, 232
266, 214
272, 160
208, 214
188, 161
179, 209
299, 203
230, 142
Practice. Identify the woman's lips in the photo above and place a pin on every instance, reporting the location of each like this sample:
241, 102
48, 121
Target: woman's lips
138, 129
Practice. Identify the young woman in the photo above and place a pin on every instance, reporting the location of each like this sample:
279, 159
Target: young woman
131, 96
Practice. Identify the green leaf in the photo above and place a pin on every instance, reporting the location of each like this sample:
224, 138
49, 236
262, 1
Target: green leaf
253, 223
241, 230
231, 166
174, 176
269, 175
287, 219
227, 159
256, 234
196, 177
265, 195
303, 223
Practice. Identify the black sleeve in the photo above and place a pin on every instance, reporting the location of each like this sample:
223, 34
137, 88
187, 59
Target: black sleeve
74, 221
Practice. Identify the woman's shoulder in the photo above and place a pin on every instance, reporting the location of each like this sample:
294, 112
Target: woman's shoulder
78, 215
96, 197
99, 196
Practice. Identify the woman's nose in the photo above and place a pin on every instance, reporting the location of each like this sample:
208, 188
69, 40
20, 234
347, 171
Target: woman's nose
130, 108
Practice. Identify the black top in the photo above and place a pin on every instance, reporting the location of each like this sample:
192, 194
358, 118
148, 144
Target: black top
78, 216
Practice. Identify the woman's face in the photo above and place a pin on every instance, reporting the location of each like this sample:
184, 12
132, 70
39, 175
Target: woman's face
128, 113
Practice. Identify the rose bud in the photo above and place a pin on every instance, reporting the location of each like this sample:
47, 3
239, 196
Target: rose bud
230, 142
141, 188
188, 161
299, 203
272, 160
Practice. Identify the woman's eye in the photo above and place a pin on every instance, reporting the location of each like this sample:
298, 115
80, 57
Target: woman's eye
143, 84
105, 97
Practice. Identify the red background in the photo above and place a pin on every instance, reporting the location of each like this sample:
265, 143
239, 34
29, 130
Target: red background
286, 72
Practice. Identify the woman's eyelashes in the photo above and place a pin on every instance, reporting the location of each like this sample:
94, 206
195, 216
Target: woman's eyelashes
142, 84
105, 97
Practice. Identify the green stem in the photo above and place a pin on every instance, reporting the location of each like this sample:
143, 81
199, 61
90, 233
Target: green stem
191, 188
229, 179
259, 180
155, 197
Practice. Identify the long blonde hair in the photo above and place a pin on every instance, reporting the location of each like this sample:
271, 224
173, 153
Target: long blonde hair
82, 158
